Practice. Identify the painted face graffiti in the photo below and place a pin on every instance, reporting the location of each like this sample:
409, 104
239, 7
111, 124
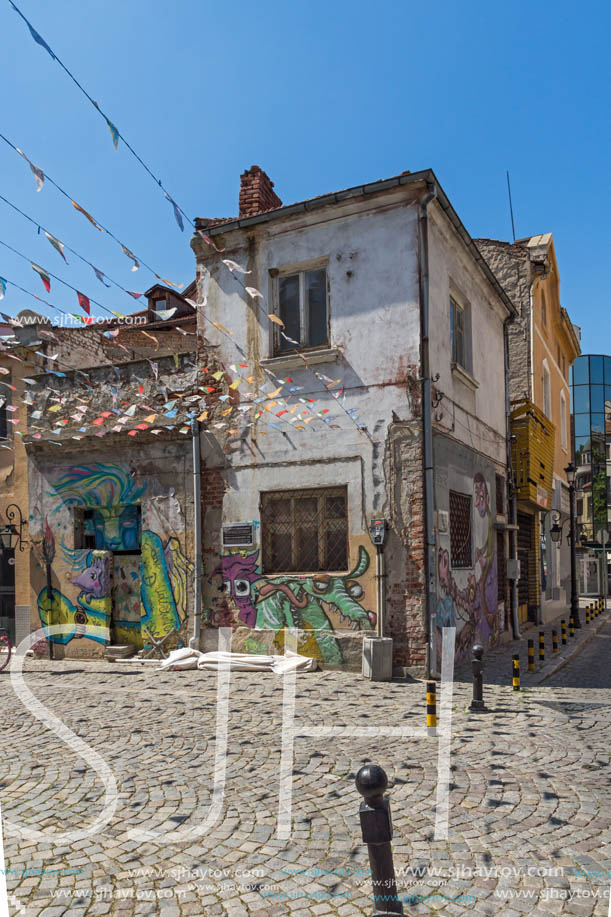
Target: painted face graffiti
272, 603
95, 579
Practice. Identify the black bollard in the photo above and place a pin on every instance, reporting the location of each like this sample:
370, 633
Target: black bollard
376, 828
477, 704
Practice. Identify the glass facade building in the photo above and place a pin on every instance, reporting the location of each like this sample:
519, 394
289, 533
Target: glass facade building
591, 422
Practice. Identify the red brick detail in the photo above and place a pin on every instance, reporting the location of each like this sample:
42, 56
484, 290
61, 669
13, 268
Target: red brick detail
257, 193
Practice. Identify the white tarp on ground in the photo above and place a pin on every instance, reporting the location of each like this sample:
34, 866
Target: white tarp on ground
188, 658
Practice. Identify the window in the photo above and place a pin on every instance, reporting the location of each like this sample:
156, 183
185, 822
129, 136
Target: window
460, 530
302, 306
500, 494
4, 401
543, 309
563, 438
458, 339
547, 392
501, 567
113, 528
304, 530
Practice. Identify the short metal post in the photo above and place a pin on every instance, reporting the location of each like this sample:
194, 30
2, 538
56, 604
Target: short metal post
431, 708
554, 641
531, 655
477, 665
516, 672
571, 626
376, 828
563, 630
587, 614
541, 646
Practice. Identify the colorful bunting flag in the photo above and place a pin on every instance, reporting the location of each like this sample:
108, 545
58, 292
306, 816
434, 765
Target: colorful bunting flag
252, 291
98, 273
209, 241
233, 266
2, 287
57, 245
113, 131
87, 215
83, 302
177, 213
38, 174
130, 255
165, 314
46, 280
135, 295
37, 38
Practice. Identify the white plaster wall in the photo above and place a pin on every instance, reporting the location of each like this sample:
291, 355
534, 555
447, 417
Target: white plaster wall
478, 416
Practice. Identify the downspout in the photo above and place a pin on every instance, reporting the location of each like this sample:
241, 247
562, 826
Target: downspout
513, 501
427, 425
197, 526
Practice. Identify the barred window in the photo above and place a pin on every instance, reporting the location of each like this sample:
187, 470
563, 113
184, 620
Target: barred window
460, 530
304, 530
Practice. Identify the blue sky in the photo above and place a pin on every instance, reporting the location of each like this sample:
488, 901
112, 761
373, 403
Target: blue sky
322, 96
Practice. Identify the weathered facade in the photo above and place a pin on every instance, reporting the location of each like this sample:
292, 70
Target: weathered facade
543, 344
369, 333
110, 467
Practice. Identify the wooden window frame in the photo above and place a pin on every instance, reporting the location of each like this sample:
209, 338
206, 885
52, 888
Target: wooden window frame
300, 270
267, 498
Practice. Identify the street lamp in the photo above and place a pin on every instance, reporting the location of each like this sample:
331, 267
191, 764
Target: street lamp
11, 535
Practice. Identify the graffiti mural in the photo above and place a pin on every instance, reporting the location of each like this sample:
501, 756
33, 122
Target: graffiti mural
308, 603
149, 583
468, 600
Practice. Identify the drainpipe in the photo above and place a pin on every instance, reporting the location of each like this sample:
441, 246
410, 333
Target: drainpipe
197, 524
427, 424
513, 501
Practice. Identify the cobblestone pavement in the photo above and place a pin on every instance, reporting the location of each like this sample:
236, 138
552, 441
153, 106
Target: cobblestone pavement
529, 794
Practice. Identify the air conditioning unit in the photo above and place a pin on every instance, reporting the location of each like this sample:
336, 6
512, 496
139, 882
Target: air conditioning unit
443, 521
239, 535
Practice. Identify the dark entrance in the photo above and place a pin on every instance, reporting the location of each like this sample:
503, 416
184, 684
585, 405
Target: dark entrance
7, 591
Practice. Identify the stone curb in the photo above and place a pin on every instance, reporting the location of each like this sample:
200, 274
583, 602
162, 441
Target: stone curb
572, 653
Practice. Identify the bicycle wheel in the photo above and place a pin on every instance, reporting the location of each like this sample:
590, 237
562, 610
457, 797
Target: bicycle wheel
6, 648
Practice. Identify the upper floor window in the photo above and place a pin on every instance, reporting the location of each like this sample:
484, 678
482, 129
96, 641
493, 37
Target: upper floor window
547, 392
4, 428
543, 309
563, 423
302, 304
459, 334
460, 530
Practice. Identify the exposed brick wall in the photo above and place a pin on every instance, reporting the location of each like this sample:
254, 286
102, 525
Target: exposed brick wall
257, 193
511, 265
406, 595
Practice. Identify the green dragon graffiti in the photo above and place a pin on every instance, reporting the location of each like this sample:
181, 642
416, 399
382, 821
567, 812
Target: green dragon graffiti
302, 602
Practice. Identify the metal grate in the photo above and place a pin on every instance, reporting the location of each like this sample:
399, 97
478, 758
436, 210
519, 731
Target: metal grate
304, 530
460, 530
239, 535
501, 567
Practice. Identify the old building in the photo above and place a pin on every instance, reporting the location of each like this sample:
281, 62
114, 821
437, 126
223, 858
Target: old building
111, 470
365, 336
543, 343
14, 540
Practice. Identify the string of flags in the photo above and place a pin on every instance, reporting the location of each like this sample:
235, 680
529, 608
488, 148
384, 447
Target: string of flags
40, 178
114, 131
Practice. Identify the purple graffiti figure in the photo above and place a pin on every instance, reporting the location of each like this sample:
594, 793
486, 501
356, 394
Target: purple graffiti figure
94, 580
239, 573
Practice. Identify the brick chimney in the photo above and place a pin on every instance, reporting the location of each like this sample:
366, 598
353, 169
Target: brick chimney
257, 193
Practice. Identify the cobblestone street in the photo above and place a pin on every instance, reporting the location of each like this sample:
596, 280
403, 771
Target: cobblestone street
529, 793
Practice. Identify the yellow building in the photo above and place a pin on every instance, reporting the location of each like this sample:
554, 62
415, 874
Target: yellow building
543, 343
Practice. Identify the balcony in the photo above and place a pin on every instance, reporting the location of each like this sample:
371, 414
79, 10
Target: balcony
532, 451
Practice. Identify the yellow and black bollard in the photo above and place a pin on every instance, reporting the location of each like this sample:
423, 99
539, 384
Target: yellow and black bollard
571, 626
531, 655
431, 708
516, 672
541, 646
554, 641
587, 614
563, 631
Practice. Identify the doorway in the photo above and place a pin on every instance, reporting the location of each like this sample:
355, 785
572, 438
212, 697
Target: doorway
7, 591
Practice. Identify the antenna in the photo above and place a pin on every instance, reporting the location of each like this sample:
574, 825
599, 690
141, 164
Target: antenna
513, 228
